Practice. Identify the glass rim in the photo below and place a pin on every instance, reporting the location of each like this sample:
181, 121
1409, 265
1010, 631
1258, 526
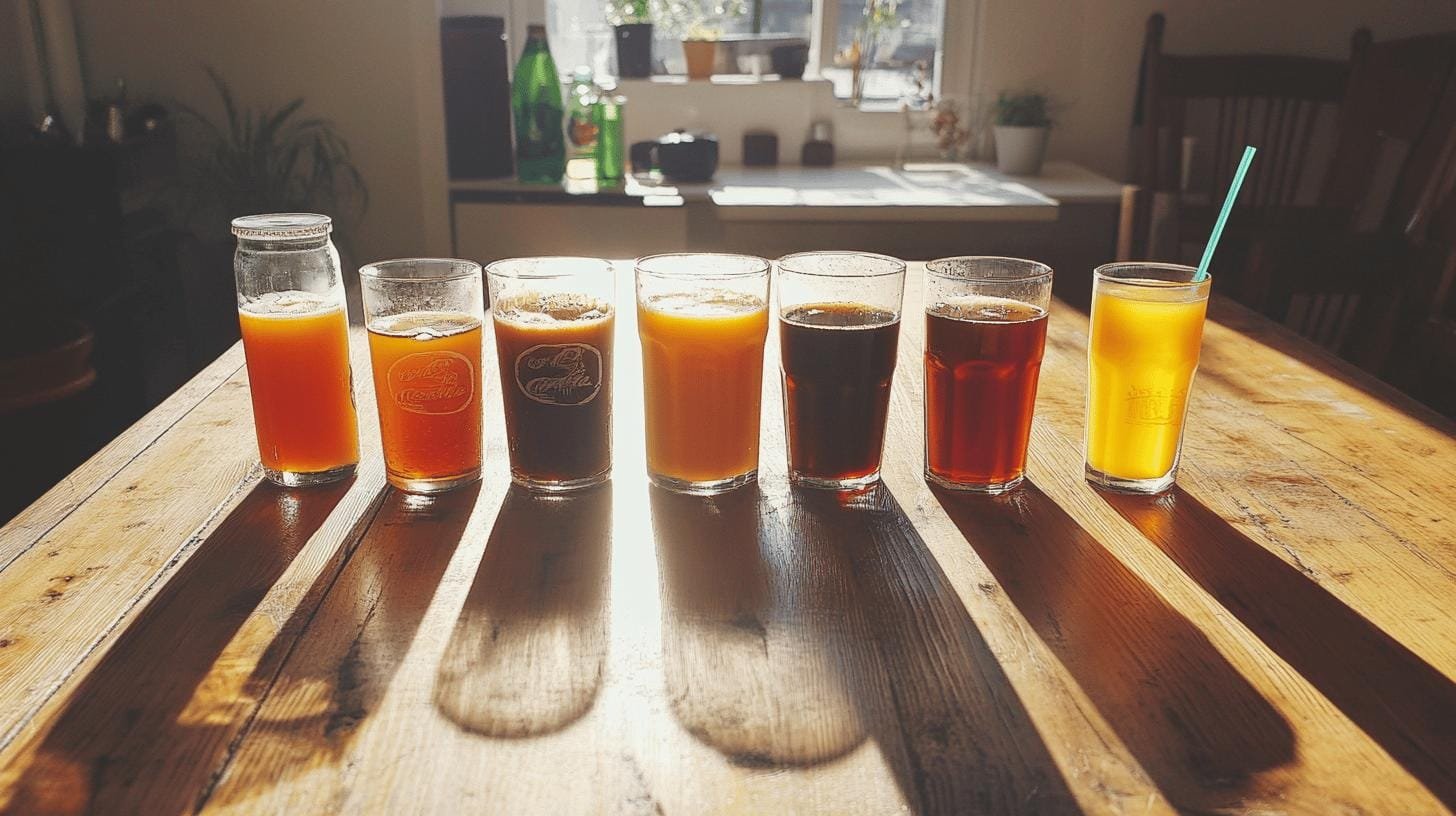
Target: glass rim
297, 226
502, 267
1036, 269
379, 270
898, 265
760, 266
1103, 273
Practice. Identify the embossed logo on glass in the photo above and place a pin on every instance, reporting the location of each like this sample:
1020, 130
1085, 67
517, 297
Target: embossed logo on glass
1155, 406
565, 374
432, 382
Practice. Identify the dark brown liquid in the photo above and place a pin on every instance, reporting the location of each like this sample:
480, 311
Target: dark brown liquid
982, 359
555, 356
838, 362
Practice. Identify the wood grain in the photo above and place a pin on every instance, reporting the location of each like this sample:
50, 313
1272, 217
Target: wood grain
1271, 637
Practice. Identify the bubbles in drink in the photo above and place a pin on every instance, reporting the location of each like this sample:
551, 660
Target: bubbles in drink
986, 309
838, 316
424, 325
704, 303
534, 308
289, 303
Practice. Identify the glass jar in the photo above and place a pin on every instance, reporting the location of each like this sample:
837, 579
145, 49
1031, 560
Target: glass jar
295, 329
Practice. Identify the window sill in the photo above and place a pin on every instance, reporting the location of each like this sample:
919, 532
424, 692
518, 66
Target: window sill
811, 85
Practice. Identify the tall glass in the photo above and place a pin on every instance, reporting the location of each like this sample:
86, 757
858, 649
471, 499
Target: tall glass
839, 331
296, 338
424, 317
702, 319
985, 331
554, 321
1147, 327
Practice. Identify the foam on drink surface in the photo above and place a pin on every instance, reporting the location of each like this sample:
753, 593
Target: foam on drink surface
531, 308
424, 325
1149, 290
839, 316
704, 303
289, 303
986, 309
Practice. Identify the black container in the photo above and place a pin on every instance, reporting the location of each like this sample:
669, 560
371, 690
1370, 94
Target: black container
760, 148
634, 50
789, 61
681, 156
477, 97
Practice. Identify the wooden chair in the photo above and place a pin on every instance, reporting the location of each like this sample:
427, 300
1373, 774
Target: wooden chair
1357, 282
1193, 116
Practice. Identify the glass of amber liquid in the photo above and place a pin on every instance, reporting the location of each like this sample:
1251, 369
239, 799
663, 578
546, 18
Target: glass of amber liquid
554, 321
424, 317
702, 320
1147, 327
839, 330
296, 338
985, 331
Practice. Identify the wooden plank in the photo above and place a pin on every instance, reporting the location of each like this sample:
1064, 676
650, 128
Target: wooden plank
218, 603
49, 510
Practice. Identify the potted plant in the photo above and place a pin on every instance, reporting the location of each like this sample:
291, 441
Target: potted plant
699, 23
878, 18
631, 22
1022, 124
261, 161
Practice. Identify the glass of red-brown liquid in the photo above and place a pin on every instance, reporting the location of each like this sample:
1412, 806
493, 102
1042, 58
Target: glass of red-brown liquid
554, 320
985, 331
839, 330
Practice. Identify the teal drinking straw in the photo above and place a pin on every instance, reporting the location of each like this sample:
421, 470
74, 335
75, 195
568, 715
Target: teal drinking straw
1228, 204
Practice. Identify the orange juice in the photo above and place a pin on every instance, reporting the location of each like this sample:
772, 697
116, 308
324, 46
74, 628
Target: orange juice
702, 377
1142, 355
427, 387
297, 347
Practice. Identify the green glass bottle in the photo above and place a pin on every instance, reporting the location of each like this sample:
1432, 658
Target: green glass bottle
536, 106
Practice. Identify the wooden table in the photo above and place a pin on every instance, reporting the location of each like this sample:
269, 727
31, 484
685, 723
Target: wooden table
1274, 636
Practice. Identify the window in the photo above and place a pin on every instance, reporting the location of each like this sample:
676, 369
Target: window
580, 35
909, 45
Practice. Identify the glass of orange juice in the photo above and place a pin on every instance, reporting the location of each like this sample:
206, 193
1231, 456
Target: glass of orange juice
702, 319
296, 339
424, 317
1147, 326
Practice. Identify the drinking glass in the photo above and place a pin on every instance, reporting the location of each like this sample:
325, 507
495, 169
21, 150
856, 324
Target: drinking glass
295, 331
424, 317
839, 331
702, 320
1147, 326
985, 331
554, 321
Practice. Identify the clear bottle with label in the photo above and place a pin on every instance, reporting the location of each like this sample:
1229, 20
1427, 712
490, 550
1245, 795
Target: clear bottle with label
581, 125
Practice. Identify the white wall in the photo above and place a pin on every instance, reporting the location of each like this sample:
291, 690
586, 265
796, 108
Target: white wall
1085, 52
359, 63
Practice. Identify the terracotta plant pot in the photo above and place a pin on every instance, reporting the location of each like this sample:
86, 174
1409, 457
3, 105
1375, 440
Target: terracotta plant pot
700, 55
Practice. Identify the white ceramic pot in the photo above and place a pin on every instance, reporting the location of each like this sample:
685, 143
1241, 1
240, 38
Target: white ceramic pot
1020, 150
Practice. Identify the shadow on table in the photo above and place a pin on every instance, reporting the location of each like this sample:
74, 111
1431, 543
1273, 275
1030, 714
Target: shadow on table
1192, 721
1397, 698
528, 650
339, 669
144, 708
796, 628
